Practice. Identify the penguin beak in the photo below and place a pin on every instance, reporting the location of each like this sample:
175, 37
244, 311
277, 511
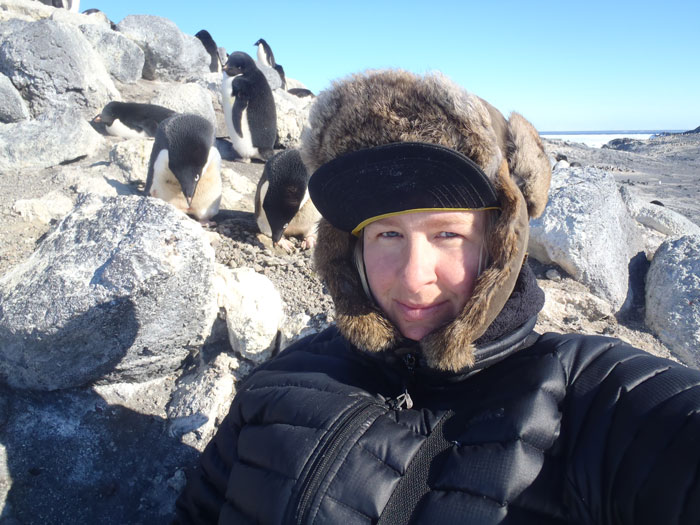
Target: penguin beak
188, 183
278, 232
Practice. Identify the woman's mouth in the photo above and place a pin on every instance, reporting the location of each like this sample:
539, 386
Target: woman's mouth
419, 312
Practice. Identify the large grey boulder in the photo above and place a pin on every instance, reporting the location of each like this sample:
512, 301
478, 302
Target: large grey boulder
659, 218
117, 292
673, 297
169, 53
52, 139
587, 231
53, 66
292, 116
122, 57
12, 107
186, 98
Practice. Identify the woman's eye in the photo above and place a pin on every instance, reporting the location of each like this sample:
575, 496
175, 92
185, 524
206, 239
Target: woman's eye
448, 235
389, 234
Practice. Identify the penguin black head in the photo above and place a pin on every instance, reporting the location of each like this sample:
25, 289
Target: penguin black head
189, 138
285, 189
239, 63
108, 114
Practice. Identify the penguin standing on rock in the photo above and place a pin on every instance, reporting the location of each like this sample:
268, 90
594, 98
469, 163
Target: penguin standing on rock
210, 46
265, 55
249, 108
185, 166
282, 203
132, 119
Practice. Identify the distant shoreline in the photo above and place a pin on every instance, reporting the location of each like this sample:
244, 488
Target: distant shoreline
596, 139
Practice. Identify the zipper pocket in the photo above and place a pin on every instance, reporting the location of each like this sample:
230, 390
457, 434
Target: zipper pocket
344, 428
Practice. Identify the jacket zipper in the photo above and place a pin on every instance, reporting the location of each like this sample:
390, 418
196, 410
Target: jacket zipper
327, 456
404, 400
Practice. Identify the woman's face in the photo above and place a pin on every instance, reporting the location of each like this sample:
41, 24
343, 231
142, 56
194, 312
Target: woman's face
421, 266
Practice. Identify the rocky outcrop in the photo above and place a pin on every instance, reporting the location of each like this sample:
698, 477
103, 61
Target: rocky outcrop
673, 297
12, 107
587, 230
169, 53
52, 139
123, 58
135, 282
54, 67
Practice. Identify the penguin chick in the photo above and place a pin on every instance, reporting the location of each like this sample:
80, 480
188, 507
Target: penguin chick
265, 55
131, 119
185, 166
282, 203
249, 108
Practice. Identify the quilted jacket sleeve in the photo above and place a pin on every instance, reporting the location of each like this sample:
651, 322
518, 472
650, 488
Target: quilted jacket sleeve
203, 497
632, 433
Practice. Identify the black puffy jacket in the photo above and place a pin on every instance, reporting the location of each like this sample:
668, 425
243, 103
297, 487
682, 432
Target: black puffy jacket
548, 429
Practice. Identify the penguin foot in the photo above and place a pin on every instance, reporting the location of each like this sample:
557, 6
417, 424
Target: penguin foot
286, 245
309, 242
245, 160
206, 223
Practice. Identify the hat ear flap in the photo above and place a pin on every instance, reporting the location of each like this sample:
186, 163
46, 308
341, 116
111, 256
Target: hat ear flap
528, 163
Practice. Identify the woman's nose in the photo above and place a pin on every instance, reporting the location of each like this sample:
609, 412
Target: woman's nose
418, 267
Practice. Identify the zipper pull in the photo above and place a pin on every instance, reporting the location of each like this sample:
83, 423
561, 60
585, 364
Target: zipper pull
402, 401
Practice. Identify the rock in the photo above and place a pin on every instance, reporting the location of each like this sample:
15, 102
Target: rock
122, 58
673, 297
624, 144
117, 292
52, 139
132, 156
238, 192
54, 205
67, 74
292, 116
202, 400
186, 98
659, 218
12, 107
26, 10
169, 53
587, 231
91, 460
254, 311
272, 76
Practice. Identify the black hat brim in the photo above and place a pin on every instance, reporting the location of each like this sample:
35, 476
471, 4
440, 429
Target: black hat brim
358, 187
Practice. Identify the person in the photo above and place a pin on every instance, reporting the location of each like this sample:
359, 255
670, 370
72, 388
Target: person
432, 399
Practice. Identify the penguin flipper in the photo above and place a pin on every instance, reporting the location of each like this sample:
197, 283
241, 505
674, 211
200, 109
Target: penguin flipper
239, 107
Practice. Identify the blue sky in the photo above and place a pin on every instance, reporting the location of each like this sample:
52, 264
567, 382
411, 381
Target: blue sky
566, 66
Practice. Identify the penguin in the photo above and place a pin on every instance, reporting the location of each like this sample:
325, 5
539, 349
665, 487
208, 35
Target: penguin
282, 203
132, 119
249, 108
211, 48
265, 55
280, 72
185, 166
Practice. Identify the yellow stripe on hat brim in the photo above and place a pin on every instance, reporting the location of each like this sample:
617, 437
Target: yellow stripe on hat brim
359, 227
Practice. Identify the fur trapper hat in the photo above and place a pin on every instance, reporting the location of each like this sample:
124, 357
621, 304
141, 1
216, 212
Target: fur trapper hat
384, 107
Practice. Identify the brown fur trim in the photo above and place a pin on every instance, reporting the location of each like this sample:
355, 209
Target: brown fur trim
377, 108
529, 163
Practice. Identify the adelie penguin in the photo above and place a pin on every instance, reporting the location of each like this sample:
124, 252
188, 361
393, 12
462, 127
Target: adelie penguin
267, 58
185, 166
249, 108
282, 203
131, 119
215, 63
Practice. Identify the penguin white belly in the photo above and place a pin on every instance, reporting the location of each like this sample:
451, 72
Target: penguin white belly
207, 196
261, 219
165, 185
244, 145
119, 129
